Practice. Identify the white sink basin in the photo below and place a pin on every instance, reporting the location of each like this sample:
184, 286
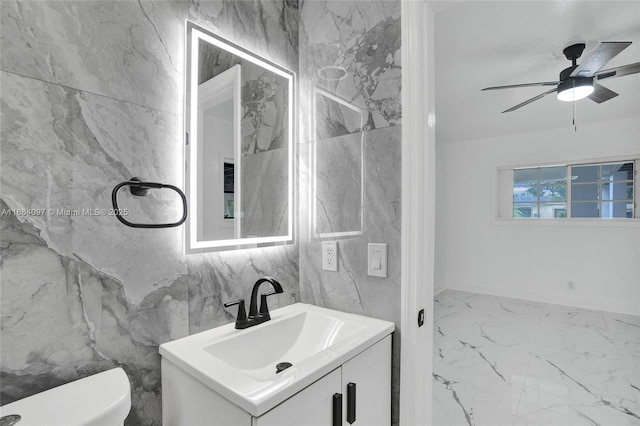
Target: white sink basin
241, 364
294, 338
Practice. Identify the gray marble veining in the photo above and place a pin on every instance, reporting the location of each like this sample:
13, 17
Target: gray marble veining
269, 28
70, 164
350, 80
350, 289
231, 275
338, 168
265, 203
335, 116
63, 319
351, 49
514, 362
124, 50
264, 110
91, 96
81, 111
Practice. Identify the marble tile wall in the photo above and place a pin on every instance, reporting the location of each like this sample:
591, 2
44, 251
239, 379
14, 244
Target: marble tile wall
92, 96
338, 169
350, 52
266, 27
82, 111
265, 204
351, 49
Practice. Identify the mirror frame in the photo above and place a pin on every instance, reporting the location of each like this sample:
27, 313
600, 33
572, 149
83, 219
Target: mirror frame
314, 167
193, 34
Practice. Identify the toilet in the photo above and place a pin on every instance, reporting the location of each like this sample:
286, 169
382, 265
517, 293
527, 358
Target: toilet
103, 399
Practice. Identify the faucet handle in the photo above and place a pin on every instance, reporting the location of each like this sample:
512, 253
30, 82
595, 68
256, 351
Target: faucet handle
264, 308
237, 302
241, 320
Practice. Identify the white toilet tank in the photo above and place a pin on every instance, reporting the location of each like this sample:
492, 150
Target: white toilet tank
103, 399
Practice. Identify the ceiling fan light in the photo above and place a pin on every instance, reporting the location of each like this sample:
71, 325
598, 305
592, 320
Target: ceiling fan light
575, 89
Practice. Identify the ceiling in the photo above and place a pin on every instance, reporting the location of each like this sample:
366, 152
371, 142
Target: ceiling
492, 43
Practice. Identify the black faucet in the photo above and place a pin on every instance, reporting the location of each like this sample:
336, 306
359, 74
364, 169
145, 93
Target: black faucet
255, 317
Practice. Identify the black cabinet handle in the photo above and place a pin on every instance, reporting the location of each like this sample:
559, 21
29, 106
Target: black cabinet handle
337, 409
351, 403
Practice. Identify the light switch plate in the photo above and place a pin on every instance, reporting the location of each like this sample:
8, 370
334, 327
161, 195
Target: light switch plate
377, 260
330, 256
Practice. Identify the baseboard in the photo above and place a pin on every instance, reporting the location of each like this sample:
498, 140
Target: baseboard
607, 305
438, 289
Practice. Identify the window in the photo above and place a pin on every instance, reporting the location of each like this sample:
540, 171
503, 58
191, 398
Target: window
539, 191
597, 190
602, 190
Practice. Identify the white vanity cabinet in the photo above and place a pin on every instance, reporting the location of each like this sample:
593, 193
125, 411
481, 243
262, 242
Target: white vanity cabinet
358, 393
339, 373
313, 406
369, 374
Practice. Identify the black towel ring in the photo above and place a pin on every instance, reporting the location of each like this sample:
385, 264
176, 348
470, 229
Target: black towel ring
141, 189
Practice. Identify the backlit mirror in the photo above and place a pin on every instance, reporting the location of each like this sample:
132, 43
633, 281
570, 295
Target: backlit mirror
239, 146
337, 167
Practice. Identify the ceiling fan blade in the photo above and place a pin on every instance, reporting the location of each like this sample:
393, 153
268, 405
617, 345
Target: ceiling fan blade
619, 71
527, 102
601, 94
602, 54
514, 86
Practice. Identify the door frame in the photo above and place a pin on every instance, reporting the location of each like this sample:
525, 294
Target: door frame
418, 211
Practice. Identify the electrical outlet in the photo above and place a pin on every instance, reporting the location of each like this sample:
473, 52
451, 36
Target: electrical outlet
330, 256
571, 285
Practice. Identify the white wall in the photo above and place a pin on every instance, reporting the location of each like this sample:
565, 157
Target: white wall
534, 260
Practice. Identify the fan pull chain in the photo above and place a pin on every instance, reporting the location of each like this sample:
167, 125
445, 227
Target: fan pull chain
575, 126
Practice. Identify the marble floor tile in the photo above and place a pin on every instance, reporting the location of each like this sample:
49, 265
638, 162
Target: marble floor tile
461, 400
541, 409
502, 361
604, 379
624, 328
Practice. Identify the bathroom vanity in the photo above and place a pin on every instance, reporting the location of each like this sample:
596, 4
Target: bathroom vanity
340, 372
